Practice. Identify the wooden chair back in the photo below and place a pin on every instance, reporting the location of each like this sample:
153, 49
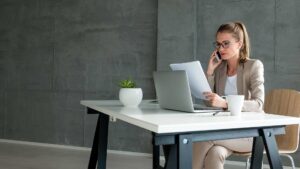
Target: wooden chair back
285, 102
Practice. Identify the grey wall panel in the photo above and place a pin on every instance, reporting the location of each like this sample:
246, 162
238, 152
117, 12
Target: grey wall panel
275, 80
70, 47
175, 49
6, 28
56, 53
176, 32
29, 116
123, 136
287, 36
21, 32
3, 71
2, 114
90, 122
68, 118
44, 117
4, 54
30, 60
212, 13
97, 52
69, 64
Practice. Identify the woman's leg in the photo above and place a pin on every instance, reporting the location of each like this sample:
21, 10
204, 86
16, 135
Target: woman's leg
200, 150
215, 157
205, 152
237, 145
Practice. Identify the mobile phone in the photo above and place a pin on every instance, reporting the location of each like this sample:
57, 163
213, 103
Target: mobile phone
218, 56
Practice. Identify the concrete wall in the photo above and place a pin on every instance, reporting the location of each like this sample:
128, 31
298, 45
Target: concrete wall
54, 53
177, 32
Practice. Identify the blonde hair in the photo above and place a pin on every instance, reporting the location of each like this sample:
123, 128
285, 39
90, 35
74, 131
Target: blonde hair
239, 32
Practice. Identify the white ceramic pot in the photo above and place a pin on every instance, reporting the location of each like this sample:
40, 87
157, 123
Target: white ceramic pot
131, 97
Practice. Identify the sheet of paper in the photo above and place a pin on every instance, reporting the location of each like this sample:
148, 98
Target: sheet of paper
197, 79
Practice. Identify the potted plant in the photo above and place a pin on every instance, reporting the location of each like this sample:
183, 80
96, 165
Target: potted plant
129, 94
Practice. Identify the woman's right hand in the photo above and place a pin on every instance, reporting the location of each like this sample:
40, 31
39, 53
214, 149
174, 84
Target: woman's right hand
212, 64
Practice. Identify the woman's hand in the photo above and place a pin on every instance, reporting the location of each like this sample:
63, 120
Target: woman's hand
215, 100
212, 64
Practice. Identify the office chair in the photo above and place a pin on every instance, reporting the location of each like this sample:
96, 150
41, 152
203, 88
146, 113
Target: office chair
283, 102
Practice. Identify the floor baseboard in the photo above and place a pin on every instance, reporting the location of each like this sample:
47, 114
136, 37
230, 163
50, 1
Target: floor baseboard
44, 145
235, 163
72, 147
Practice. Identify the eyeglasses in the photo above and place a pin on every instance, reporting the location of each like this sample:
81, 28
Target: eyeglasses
224, 44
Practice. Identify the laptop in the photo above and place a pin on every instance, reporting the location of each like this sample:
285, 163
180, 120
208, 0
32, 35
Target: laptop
173, 92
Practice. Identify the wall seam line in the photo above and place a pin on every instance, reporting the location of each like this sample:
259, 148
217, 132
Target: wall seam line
275, 38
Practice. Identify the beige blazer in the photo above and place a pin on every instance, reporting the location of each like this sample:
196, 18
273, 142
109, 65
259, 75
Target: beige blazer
250, 82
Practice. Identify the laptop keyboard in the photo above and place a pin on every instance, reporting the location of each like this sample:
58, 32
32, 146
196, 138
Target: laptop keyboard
203, 107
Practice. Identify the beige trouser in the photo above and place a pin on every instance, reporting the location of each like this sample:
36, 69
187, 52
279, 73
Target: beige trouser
212, 154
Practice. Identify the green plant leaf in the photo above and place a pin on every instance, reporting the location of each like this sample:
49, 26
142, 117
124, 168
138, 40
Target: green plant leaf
127, 83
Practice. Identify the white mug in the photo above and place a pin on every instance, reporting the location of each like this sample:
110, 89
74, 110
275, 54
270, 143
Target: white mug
235, 104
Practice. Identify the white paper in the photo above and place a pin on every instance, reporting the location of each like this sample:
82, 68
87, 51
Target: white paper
197, 79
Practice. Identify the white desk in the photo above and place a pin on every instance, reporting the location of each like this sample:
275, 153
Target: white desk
179, 130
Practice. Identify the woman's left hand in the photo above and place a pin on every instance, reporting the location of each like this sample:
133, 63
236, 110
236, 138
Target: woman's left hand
215, 100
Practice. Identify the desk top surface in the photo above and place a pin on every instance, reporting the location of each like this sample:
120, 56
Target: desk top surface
151, 117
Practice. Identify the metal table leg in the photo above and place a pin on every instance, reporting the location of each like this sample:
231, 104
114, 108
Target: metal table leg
271, 149
257, 153
185, 154
171, 152
99, 148
155, 160
267, 140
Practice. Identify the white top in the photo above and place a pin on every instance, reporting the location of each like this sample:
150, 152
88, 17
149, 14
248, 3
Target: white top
230, 86
149, 116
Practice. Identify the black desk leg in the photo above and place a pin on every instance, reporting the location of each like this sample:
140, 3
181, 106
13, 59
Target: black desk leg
185, 152
271, 149
170, 152
155, 160
99, 149
94, 152
257, 153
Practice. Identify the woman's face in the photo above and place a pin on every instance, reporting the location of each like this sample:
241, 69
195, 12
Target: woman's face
228, 46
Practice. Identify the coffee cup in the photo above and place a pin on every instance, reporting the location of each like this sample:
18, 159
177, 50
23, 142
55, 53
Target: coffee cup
235, 104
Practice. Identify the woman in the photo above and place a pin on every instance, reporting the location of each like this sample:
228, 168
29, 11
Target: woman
234, 74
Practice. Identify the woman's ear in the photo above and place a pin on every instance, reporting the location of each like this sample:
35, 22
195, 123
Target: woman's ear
241, 44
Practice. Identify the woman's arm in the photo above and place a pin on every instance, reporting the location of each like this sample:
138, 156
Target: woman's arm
256, 88
211, 81
210, 73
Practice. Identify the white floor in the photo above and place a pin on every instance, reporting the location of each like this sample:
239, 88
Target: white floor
23, 155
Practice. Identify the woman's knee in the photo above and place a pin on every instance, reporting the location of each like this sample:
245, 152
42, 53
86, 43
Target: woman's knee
200, 150
202, 147
218, 153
